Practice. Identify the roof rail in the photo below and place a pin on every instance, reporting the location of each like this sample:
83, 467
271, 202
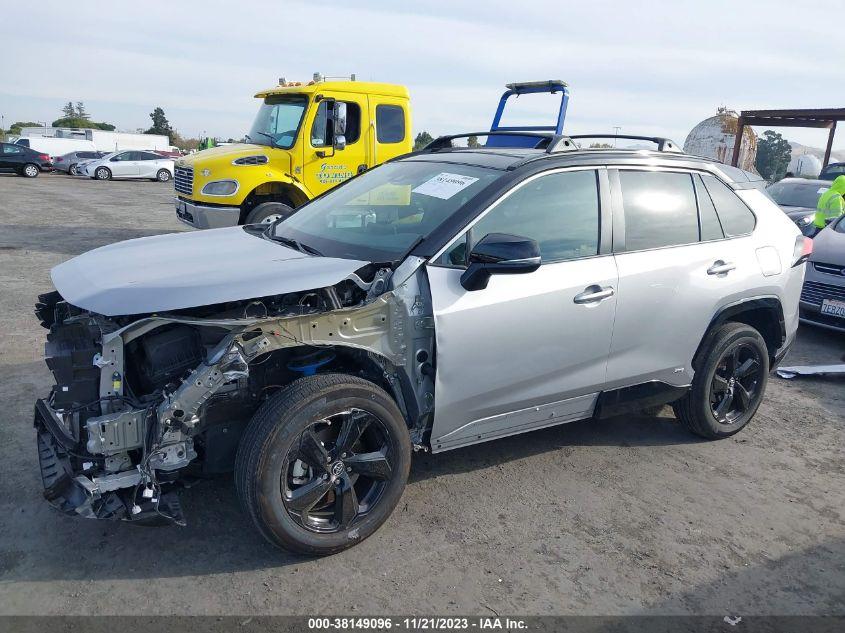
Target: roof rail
545, 140
663, 144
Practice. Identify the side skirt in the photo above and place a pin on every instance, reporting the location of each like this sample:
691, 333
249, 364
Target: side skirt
636, 397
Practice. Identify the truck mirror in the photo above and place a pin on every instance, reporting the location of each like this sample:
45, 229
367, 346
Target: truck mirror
339, 119
339, 141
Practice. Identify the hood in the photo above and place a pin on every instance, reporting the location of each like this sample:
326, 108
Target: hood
225, 154
192, 269
829, 247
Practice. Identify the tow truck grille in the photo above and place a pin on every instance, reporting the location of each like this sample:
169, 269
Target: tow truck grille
183, 181
814, 292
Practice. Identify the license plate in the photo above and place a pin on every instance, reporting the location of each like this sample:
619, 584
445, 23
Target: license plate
833, 307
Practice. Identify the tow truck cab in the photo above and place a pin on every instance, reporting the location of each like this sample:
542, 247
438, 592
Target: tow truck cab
305, 140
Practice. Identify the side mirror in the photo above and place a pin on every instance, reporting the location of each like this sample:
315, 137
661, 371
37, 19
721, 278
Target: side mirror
500, 254
339, 119
339, 141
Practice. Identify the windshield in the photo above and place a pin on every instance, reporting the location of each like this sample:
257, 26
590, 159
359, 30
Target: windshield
379, 215
796, 194
277, 121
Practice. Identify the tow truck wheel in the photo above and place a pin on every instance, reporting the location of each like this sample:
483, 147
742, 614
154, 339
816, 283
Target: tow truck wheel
323, 463
268, 212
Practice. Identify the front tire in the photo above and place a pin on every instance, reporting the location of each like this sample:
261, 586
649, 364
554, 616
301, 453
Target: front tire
729, 382
102, 173
268, 212
72, 170
30, 170
323, 463
163, 175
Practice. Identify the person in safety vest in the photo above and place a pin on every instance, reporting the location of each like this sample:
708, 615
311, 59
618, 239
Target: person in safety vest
831, 204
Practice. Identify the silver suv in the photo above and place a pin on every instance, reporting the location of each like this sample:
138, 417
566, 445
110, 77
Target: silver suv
443, 299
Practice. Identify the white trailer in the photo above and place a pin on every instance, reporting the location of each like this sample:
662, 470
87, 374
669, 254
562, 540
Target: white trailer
54, 146
102, 140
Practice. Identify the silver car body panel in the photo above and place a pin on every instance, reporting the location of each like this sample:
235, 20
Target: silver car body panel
184, 270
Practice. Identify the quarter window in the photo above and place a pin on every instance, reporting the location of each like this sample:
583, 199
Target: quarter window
660, 209
736, 218
560, 211
390, 124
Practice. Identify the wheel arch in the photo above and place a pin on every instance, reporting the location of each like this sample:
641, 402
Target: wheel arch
274, 191
764, 314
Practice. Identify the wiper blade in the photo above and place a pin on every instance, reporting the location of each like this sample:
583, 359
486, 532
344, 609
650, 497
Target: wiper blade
270, 136
289, 241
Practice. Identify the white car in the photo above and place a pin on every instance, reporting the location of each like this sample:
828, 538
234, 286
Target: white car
130, 164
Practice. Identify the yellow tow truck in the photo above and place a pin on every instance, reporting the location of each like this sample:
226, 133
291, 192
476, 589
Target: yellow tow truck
306, 138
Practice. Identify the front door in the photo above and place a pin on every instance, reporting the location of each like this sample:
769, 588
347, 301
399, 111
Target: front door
324, 167
529, 350
124, 165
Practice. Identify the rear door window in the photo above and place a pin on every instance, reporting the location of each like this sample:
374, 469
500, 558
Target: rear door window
390, 123
711, 228
736, 218
11, 149
660, 209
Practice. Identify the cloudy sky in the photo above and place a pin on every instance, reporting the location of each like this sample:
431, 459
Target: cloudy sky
648, 67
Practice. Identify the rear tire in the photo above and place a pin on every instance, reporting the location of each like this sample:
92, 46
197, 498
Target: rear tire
30, 170
102, 173
729, 384
163, 175
72, 170
268, 212
314, 487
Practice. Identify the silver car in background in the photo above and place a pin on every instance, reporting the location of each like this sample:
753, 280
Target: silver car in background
445, 298
72, 160
823, 296
130, 164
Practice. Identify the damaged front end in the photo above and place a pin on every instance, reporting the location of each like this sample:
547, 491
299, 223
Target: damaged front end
144, 404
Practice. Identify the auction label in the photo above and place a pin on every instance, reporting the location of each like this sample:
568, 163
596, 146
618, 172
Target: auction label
444, 185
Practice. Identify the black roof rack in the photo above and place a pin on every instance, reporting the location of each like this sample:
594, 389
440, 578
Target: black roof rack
663, 144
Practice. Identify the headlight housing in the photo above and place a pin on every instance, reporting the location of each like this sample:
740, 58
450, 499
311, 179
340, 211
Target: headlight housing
220, 188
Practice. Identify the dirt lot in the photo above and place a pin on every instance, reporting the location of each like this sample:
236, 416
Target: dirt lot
625, 516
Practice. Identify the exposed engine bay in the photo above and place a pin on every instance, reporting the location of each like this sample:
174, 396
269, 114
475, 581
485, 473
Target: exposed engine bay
147, 403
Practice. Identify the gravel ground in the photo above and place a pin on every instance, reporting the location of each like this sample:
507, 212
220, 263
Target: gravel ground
625, 516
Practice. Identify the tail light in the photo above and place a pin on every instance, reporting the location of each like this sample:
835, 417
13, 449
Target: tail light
802, 251
58, 159
43, 157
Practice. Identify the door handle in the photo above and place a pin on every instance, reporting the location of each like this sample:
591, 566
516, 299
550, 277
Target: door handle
593, 294
720, 268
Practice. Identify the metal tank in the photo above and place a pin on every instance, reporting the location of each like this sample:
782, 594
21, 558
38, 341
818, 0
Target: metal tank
714, 138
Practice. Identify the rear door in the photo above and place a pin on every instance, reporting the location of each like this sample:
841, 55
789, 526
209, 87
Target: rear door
529, 350
324, 166
391, 127
148, 164
677, 268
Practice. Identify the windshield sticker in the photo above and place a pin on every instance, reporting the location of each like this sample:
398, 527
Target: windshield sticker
444, 185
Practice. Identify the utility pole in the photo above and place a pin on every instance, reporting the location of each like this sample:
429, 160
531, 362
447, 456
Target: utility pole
616, 129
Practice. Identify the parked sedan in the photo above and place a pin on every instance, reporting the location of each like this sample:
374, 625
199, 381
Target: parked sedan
823, 296
22, 160
798, 197
131, 164
69, 162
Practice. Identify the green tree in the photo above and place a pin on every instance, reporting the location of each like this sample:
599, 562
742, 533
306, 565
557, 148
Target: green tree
472, 142
423, 139
80, 111
160, 124
76, 122
600, 145
68, 110
773, 155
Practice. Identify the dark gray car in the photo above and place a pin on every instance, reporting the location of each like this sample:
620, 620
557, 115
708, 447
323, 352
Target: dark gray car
823, 296
69, 162
798, 197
